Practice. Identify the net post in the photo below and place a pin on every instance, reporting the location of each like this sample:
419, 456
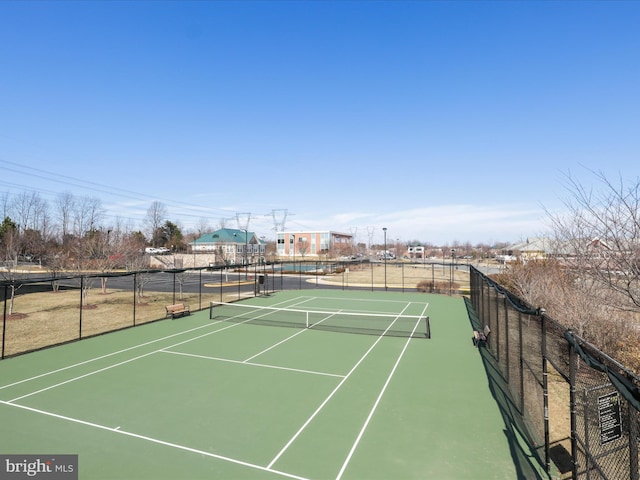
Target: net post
307, 315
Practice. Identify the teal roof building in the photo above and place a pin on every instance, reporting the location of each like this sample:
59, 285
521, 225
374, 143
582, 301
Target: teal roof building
231, 245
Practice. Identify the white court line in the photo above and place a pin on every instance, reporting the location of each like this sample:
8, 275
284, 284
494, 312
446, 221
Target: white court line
326, 400
103, 356
119, 363
118, 430
274, 345
288, 338
375, 405
252, 364
368, 300
109, 367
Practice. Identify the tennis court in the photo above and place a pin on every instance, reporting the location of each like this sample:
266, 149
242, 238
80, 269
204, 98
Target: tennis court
227, 393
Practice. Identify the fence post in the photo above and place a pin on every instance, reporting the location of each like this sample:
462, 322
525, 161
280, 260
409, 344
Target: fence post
81, 298
481, 301
222, 280
174, 287
545, 391
371, 268
521, 362
200, 289
573, 359
507, 372
4, 320
498, 334
487, 319
135, 296
633, 443
346, 269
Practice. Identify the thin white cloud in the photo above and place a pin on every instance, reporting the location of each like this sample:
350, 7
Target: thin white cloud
440, 224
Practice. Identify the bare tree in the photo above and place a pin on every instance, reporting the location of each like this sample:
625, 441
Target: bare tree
141, 279
131, 246
137, 262
303, 248
87, 215
222, 255
565, 294
64, 210
29, 211
156, 215
181, 278
102, 253
203, 227
10, 245
601, 234
55, 262
592, 282
5, 205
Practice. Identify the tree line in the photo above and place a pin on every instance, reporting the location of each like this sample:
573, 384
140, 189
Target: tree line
73, 232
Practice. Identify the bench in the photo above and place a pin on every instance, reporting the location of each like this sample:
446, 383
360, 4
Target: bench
177, 310
480, 336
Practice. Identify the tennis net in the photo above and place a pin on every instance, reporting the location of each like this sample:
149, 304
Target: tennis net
367, 323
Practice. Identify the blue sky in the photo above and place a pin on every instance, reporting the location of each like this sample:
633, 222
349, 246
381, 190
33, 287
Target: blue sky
442, 121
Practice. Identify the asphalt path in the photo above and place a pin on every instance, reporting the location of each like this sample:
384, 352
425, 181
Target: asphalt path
195, 282
202, 281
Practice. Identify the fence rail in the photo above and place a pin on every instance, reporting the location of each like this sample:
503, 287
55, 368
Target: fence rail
42, 310
580, 406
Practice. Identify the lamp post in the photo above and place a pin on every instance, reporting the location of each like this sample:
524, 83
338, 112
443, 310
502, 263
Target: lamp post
246, 247
384, 229
451, 270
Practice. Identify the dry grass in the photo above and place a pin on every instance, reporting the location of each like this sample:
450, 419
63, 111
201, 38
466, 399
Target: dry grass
47, 318
402, 275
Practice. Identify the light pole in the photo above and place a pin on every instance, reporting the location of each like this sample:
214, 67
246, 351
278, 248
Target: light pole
384, 229
451, 270
293, 241
246, 247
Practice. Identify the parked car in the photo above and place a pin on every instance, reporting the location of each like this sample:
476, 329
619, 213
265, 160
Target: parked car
157, 250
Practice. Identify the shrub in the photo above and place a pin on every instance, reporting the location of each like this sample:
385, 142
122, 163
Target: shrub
428, 286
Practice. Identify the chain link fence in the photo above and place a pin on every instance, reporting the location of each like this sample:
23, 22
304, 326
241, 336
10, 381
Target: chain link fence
580, 407
42, 310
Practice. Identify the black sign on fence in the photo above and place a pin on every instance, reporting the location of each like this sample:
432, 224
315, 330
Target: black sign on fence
609, 417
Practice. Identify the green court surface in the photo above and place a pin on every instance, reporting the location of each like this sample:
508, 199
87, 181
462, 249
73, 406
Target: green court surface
196, 398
